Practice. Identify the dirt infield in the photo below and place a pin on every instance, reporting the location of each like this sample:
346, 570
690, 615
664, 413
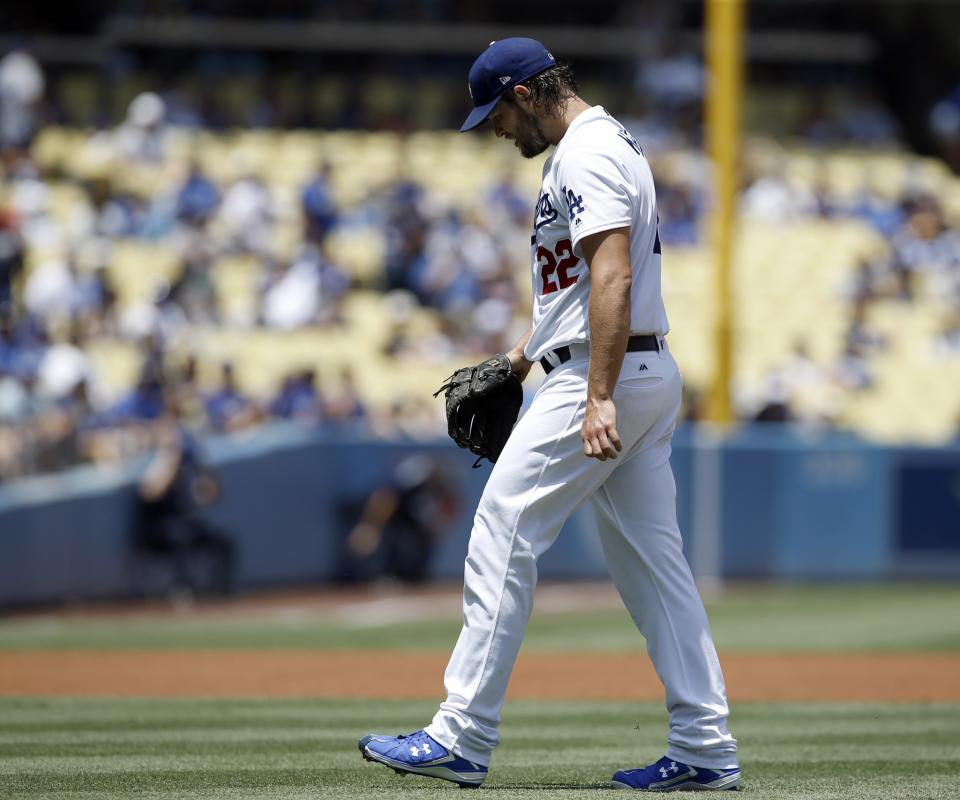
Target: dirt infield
852, 677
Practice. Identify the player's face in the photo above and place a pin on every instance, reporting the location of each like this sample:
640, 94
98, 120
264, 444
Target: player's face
514, 121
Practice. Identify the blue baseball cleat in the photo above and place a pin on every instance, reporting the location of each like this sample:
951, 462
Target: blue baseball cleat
668, 775
419, 754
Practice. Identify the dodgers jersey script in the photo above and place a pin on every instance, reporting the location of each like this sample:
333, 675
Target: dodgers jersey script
597, 179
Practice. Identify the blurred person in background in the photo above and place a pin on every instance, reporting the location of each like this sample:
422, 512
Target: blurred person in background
193, 291
290, 295
247, 215
173, 494
320, 210
299, 398
144, 135
21, 89
344, 405
65, 365
401, 523
197, 198
228, 408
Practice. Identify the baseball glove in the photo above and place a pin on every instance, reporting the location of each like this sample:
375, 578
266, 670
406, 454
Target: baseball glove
483, 403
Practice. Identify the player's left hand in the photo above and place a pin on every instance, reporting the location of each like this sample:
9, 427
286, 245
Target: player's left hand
599, 431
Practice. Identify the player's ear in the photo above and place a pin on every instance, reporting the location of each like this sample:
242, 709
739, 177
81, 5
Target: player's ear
522, 93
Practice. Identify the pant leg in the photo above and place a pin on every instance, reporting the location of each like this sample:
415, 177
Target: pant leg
539, 480
636, 517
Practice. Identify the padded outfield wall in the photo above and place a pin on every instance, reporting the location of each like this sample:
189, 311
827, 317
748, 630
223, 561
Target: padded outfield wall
767, 502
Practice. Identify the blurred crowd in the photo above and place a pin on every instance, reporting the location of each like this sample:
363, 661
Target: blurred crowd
54, 409
920, 240
467, 268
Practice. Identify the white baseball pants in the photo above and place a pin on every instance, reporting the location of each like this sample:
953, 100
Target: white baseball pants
538, 482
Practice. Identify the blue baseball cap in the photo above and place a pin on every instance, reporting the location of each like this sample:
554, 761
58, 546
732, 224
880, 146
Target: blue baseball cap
502, 66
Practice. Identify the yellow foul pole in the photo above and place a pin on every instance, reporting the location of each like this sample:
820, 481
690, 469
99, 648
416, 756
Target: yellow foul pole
724, 45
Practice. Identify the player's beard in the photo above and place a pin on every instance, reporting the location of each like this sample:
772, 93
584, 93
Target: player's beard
530, 138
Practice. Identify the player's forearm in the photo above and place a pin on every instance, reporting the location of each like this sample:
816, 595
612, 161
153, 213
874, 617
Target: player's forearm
521, 366
608, 255
609, 331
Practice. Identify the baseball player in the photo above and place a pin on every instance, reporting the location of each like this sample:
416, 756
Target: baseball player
598, 430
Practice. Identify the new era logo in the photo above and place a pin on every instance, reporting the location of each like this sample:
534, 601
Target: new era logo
504, 80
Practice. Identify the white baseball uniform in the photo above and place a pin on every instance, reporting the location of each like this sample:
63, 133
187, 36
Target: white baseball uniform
597, 179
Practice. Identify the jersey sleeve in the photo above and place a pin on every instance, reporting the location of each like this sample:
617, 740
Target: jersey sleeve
597, 192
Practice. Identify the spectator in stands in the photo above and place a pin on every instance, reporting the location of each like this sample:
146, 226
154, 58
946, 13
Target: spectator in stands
401, 523
290, 296
96, 311
923, 242
229, 409
193, 290
172, 495
332, 281
299, 399
320, 211
64, 366
143, 404
56, 444
22, 343
406, 262
771, 197
144, 135
679, 207
21, 90
198, 197
112, 214
247, 215
458, 255
184, 388
51, 291
146, 402
344, 406
16, 401
406, 228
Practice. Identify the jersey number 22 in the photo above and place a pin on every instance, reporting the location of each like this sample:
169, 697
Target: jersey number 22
550, 267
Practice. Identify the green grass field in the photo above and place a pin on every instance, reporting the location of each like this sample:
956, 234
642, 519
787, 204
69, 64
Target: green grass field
307, 749
247, 748
868, 617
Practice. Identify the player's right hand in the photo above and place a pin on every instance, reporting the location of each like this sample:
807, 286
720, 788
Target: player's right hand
599, 430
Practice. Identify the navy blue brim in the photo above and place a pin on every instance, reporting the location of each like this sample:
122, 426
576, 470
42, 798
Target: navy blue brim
478, 115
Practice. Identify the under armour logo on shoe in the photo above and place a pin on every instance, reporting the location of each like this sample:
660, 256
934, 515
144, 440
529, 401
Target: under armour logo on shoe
425, 750
672, 768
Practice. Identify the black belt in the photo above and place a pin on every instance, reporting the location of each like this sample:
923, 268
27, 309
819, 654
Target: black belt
637, 343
